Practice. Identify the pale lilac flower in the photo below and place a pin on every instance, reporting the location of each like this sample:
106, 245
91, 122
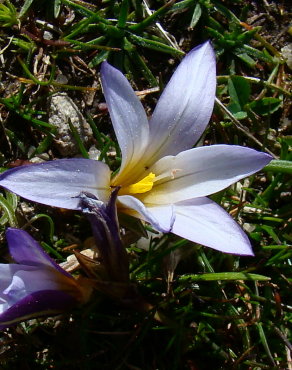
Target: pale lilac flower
36, 286
162, 180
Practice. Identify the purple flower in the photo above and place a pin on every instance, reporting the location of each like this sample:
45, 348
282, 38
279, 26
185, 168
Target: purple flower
36, 286
162, 179
105, 227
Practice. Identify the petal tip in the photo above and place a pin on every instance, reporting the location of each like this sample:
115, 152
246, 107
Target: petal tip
104, 65
205, 48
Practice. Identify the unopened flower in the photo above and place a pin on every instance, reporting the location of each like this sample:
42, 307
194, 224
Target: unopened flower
36, 286
162, 179
106, 233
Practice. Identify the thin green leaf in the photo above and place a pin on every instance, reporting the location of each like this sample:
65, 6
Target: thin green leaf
12, 199
139, 62
225, 276
44, 144
57, 8
25, 7
123, 14
53, 251
24, 45
30, 75
78, 8
103, 55
181, 6
51, 224
15, 140
279, 166
78, 140
247, 59
139, 27
154, 45
8, 211
272, 233
196, 16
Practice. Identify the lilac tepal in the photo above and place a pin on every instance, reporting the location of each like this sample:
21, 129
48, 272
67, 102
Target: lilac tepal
36, 286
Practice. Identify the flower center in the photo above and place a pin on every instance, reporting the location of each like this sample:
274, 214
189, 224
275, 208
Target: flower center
140, 187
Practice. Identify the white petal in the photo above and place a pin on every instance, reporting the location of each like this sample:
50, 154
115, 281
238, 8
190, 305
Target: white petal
56, 183
205, 222
185, 106
202, 171
128, 117
161, 217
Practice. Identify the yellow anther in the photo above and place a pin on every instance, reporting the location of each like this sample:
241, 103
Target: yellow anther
142, 186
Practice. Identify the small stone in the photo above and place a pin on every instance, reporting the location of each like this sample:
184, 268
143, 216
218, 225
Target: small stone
249, 228
48, 35
287, 54
61, 79
37, 160
94, 153
61, 108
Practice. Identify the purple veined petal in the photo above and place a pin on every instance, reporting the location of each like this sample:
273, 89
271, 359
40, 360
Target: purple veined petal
160, 217
38, 304
185, 106
202, 171
56, 183
26, 251
204, 222
128, 117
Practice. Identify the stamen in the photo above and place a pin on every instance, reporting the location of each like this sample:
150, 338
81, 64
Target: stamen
143, 186
165, 175
147, 183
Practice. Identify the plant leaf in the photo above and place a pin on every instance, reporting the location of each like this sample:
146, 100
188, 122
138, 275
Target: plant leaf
236, 110
239, 90
265, 106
